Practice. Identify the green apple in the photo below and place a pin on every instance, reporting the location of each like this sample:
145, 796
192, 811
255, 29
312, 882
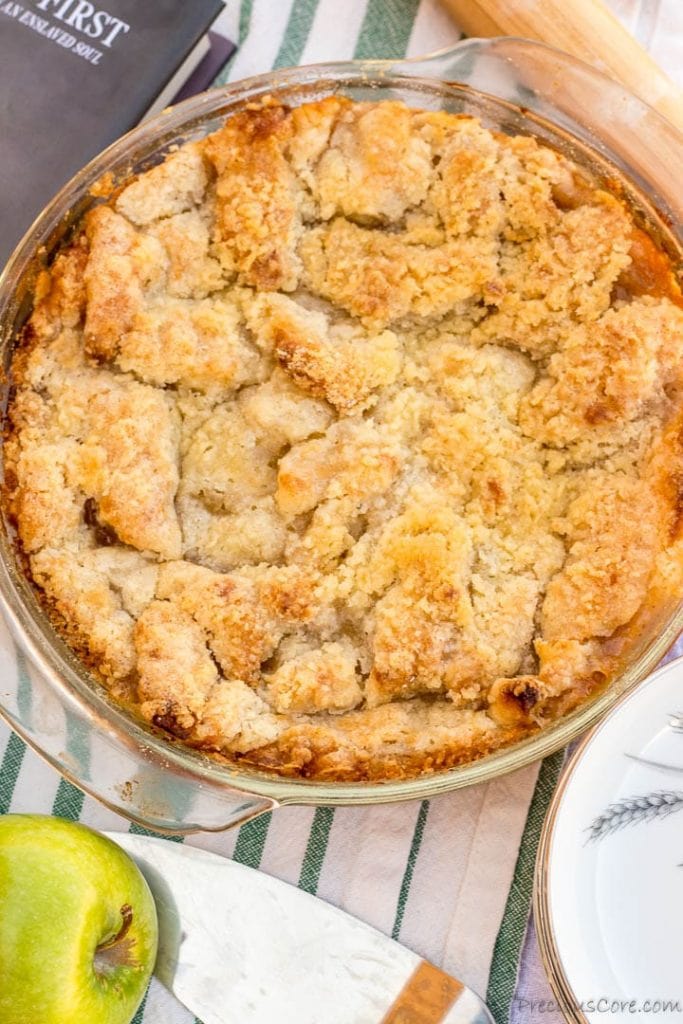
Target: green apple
78, 925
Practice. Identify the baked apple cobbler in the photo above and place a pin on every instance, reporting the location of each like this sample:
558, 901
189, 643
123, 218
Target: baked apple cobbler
346, 443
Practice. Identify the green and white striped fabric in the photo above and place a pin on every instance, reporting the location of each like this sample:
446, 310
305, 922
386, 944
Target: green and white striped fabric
451, 877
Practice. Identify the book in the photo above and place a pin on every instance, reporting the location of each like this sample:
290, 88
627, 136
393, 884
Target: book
220, 50
188, 67
75, 75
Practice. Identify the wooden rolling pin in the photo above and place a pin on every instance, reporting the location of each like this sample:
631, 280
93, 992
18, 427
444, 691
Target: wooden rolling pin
587, 29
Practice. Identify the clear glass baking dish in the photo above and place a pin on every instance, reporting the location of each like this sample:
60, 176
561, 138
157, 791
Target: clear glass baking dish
48, 697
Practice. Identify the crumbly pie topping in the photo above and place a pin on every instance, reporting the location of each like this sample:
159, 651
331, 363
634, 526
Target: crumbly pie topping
347, 441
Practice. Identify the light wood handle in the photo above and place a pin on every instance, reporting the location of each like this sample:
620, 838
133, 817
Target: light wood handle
587, 29
426, 997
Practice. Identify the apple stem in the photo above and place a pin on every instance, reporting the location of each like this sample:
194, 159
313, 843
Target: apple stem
127, 920
118, 950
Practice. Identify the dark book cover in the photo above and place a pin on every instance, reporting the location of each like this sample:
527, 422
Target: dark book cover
75, 75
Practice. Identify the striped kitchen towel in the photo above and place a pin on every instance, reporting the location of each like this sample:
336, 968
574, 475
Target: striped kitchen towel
450, 877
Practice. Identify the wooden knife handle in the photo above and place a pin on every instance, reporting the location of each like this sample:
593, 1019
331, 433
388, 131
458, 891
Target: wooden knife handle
426, 997
587, 29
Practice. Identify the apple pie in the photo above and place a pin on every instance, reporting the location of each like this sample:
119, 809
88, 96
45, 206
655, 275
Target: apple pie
346, 443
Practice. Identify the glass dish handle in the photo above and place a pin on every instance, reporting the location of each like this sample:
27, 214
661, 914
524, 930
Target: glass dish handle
132, 780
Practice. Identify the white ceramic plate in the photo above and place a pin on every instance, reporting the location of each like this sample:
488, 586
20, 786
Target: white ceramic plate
609, 875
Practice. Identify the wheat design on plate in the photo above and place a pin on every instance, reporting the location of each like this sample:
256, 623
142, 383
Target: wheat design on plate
638, 809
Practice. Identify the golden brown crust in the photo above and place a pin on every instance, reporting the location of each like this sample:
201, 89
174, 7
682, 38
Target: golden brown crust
257, 214
613, 542
121, 265
348, 441
338, 363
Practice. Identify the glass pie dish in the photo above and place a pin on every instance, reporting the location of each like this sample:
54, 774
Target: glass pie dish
50, 699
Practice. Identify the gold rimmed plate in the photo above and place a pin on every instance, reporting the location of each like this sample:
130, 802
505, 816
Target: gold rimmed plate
609, 876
